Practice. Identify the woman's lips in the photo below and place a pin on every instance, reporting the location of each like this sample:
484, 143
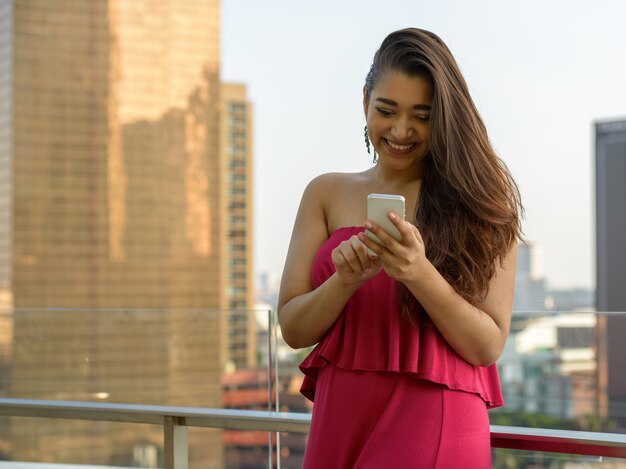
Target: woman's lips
399, 148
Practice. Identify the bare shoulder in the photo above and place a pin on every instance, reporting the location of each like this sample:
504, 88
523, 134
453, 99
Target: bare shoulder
311, 225
343, 198
335, 181
329, 186
317, 216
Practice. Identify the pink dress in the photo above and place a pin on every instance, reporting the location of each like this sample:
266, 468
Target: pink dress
390, 393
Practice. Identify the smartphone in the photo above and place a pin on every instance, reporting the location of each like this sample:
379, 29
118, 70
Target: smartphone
378, 208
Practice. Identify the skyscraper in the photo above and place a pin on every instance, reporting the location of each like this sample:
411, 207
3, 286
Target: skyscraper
530, 285
111, 197
611, 266
239, 342
6, 154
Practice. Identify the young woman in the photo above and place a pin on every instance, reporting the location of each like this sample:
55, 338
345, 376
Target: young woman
403, 373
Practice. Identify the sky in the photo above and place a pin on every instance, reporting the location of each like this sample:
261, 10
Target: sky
541, 74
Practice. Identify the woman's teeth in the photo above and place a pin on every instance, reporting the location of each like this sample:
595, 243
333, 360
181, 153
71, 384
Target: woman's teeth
399, 147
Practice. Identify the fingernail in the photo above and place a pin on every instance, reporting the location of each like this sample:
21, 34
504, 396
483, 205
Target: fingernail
368, 225
392, 215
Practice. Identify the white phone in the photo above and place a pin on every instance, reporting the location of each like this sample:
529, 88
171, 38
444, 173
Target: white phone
378, 208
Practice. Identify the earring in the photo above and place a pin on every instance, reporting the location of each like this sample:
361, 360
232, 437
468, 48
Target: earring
367, 144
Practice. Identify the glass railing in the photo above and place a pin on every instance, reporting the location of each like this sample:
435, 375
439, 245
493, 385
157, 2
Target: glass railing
507, 458
557, 372
165, 357
564, 370
554, 374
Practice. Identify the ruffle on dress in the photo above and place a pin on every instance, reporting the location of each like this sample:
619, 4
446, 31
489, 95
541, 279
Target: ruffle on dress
371, 335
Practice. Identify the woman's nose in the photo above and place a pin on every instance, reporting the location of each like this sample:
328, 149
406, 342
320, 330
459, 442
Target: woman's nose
402, 130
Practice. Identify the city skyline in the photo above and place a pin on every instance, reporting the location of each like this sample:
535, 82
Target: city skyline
126, 196
539, 82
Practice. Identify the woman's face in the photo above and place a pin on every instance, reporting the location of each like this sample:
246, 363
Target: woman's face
398, 119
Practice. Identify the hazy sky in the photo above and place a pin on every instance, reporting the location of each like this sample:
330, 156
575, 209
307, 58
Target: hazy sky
541, 73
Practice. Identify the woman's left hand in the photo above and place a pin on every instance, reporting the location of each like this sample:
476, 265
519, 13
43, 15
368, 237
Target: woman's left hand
403, 260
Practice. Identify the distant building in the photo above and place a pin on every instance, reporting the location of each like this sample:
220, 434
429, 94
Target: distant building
571, 299
111, 197
549, 366
530, 285
267, 288
610, 187
248, 389
239, 331
262, 312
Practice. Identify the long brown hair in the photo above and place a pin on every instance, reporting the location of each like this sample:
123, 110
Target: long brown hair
469, 208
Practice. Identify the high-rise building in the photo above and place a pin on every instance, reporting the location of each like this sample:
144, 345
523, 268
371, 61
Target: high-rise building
239, 339
530, 285
610, 161
6, 154
111, 197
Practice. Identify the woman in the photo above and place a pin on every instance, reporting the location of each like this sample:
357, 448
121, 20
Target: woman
404, 370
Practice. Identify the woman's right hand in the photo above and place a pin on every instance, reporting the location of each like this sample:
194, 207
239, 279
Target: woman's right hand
352, 262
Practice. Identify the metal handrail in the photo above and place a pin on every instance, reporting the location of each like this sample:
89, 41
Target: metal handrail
559, 441
231, 419
175, 421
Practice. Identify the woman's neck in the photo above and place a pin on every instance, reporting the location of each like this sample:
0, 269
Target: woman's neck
394, 179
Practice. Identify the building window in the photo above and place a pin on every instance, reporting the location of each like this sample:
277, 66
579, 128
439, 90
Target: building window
237, 135
235, 206
237, 177
237, 164
233, 291
236, 107
237, 191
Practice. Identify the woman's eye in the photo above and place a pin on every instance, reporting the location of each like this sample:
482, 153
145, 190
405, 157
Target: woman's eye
423, 118
384, 112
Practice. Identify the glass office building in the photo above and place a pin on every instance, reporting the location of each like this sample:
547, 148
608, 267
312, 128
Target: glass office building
111, 200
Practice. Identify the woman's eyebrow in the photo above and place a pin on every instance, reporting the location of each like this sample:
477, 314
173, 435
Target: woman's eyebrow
391, 102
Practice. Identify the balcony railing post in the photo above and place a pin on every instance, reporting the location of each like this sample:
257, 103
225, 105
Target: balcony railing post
274, 335
270, 374
176, 443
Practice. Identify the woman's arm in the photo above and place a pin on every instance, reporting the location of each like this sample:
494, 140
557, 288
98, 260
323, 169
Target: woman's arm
305, 314
476, 333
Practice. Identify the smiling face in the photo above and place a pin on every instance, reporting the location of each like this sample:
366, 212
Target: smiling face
398, 119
